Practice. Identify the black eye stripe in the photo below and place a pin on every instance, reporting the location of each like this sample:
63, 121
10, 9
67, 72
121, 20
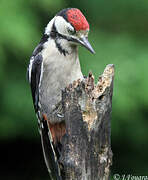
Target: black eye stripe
55, 34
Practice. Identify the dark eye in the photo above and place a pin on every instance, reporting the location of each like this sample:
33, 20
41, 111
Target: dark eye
71, 31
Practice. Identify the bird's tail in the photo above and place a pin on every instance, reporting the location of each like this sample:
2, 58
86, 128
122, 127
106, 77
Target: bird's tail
49, 152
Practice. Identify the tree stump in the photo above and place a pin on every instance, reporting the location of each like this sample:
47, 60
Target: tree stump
86, 148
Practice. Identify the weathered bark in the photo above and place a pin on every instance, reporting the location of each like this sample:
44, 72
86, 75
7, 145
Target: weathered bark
86, 147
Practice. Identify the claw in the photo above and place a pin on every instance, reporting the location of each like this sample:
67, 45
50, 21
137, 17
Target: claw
60, 115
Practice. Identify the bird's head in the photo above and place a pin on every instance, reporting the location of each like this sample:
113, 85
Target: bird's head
70, 25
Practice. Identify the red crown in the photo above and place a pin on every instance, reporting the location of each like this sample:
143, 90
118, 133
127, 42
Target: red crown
77, 19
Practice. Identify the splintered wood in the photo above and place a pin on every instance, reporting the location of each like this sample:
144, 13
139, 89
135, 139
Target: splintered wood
93, 91
86, 148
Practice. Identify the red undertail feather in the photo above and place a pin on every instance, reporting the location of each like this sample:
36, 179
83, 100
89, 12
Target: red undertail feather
57, 130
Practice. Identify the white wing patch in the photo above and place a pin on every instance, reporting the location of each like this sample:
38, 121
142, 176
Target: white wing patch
30, 68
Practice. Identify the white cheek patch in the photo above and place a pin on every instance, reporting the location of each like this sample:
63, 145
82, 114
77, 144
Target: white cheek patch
62, 25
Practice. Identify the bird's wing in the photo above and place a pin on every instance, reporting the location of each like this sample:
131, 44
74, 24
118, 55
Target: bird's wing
34, 77
34, 74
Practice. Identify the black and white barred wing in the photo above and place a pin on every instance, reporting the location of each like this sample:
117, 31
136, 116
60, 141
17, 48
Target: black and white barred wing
34, 76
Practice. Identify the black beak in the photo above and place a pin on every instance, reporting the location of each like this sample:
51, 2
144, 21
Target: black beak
84, 42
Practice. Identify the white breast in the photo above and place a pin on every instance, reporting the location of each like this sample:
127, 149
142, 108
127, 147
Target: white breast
58, 72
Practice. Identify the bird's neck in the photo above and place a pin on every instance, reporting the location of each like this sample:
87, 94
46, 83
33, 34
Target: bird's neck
60, 48
64, 47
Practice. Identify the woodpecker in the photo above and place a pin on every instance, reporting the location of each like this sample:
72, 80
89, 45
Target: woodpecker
53, 65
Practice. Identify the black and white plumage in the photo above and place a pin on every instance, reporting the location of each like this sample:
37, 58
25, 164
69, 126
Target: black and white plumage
53, 66
34, 77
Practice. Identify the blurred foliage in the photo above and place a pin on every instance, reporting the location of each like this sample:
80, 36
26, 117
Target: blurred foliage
118, 33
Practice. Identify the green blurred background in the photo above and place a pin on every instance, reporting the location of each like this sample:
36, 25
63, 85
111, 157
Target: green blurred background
119, 35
